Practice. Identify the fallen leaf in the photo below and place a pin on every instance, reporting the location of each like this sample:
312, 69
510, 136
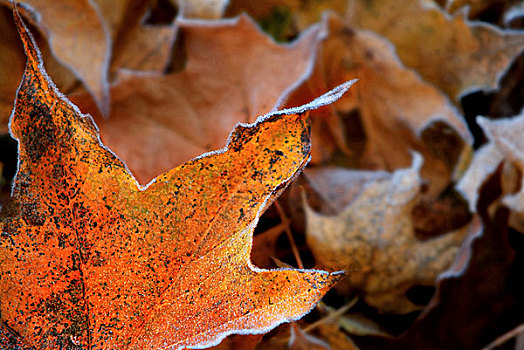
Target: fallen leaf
338, 187
478, 9
456, 317
304, 13
337, 339
115, 13
264, 246
145, 48
300, 340
454, 54
204, 9
505, 144
74, 28
358, 324
138, 45
484, 163
373, 237
233, 73
90, 259
411, 115
12, 64
514, 16
240, 341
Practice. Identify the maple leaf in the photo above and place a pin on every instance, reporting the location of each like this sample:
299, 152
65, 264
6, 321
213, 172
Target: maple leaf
505, 145
472, 55
138, 45
247, 75
12, 62
373, 236
72, 29
411, 115
91, 260
202, 8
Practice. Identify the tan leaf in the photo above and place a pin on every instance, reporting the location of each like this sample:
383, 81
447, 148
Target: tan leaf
145, 47
505, 143
336, 337
358, 324
205, 9
398, 110
137, 44
484, 163
233, 72
300, 340
373, 238
475, 8
116, 13
450, 52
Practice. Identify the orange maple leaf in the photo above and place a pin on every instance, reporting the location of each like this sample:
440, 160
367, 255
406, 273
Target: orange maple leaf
91, 260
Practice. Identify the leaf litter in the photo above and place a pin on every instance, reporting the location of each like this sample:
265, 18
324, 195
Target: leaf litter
359, 142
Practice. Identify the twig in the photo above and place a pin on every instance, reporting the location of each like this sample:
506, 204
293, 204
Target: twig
335, 314
505, 337
294, 248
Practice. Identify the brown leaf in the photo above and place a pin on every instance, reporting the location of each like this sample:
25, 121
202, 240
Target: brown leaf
505, 144
373, 238
476, 9
12, 62
233, 73
90, 259
239, 341
204, 9
358, 324
264, 245
138, 45
145, 48
399, 112
336, 338
473, 304
456, 55
338, 187
300, 340
79, 39
484, 163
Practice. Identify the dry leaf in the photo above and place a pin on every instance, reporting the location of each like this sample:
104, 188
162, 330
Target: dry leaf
336, 338
373, 238
145, 48
360, 325
12, 62
138, 45
300, 340
205, 9
264, 245
233, 73
89, 259
411, 114
454, 54
484, 163
304, 13
478, 8
239, 341
514, 16
79, 39
505, 143
472, 304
